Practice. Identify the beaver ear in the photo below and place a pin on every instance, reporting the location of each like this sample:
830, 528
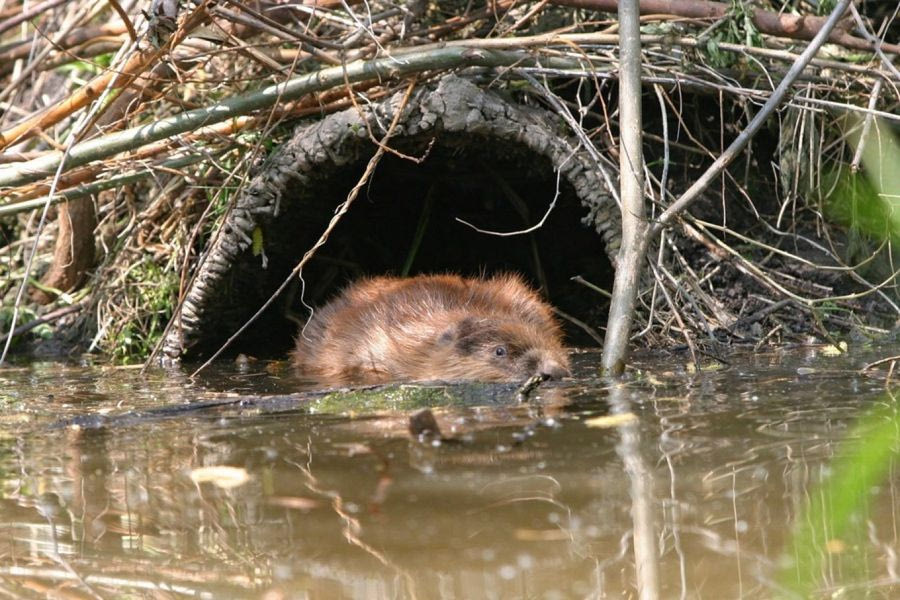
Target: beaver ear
459, 330
466, 327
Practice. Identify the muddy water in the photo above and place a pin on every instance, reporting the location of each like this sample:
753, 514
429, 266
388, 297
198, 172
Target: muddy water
112, 485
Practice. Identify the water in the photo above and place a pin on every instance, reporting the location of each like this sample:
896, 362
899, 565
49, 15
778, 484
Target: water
103, 494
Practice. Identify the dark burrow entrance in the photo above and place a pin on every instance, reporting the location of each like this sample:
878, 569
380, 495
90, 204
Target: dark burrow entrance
407, 220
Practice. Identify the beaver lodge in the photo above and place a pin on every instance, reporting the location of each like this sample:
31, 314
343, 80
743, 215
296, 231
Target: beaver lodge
463, 159
232, 185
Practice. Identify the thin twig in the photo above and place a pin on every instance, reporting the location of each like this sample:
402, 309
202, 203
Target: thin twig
48, 318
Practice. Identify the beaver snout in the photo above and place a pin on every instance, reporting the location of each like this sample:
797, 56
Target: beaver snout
551, 369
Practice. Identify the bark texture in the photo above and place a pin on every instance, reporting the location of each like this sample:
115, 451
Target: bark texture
315, 152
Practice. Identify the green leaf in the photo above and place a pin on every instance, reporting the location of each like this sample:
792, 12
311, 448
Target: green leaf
257, 241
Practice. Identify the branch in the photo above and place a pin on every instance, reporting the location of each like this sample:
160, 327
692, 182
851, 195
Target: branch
378, 69
48, 318
631, 193
798, 27
29, 14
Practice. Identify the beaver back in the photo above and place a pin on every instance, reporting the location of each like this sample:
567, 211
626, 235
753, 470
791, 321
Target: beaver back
432, 327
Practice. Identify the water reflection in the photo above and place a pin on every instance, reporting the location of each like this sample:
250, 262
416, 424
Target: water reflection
326, 501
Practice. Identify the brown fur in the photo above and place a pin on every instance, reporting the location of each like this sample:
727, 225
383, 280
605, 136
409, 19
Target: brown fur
432, 327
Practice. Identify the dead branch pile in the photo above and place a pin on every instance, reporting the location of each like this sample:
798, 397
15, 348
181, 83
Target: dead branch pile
127, 128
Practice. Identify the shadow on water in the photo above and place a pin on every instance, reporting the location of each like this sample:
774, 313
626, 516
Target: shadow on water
236, 485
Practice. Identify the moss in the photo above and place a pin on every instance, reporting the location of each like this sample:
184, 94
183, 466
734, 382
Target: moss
153, 291
409, 397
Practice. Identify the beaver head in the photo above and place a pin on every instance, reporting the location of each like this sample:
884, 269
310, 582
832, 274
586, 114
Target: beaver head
494, 349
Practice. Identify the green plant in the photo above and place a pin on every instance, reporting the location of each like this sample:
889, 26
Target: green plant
736, 28
151, 291
832, 525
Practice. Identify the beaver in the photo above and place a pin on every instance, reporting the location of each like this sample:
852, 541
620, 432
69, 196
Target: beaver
432, 327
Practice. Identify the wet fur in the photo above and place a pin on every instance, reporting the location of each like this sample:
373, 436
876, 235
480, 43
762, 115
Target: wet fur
432, 327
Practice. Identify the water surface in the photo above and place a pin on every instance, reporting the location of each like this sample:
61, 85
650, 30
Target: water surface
104, 494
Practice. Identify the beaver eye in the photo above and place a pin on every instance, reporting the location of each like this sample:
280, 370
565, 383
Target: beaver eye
500, 351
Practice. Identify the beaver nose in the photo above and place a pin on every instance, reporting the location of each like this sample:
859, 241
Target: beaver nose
552, 370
